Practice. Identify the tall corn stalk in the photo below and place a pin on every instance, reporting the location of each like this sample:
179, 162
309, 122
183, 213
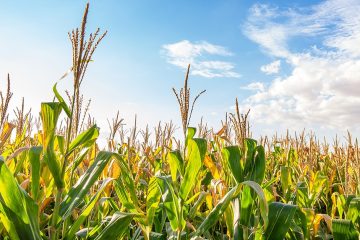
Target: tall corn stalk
183, 98
82, 52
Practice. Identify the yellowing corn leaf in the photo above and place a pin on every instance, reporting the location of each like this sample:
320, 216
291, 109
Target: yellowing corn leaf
6, 133
212, 167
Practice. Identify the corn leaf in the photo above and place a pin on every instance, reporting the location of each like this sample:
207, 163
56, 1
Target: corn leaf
6, 133
197, 204
285, 178
78, 159
353, 212
34, 158
209, 163
250, 146
87, 210
257, 173
196, 152
62, 101
85, 182
176, 164
171, 203
50, 113
343, 229
126, 200
60, 143
191, 131
17, 207
222, 205
127, 179
232, 157
244, 213
281, 216
152, 201
117, 226
84, 138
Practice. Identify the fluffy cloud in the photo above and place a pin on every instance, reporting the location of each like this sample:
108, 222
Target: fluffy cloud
197, 54
255, 86
271, 68
322, 88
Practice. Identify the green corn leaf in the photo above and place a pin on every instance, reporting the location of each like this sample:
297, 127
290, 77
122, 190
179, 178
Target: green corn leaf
191, 131
60, 143
302, 194
197, 204
244, 212
353, 212
157, 236
85, 182
196, 152
50, 113
127, 202
285, 178
152, 201
222, 205
171, 203
87, 210
292, 157
281, 216
19, 211
117, 226
247, 201
250, 146
62, 101
176, 164
34, 158
20, 156
264, 209
229, 220
78, 159
344, 230
232, 157
317, 187
8, 225
84, 138
304, 220
127, 179
258, 166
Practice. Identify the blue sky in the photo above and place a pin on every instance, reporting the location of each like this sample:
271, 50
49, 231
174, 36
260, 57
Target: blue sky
295, 64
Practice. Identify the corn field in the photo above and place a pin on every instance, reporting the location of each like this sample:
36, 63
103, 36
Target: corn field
56, 182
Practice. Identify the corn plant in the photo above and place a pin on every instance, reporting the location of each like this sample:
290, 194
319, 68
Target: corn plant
57, 183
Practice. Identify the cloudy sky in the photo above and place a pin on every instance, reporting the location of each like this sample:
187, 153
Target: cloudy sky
295, 64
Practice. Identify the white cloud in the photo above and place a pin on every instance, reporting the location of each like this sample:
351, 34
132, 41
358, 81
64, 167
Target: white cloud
271, 68
197, 54
255, 86
322, 88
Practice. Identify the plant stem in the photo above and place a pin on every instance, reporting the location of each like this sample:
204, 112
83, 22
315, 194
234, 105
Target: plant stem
179, 235
68, 137
180, 220
55, 215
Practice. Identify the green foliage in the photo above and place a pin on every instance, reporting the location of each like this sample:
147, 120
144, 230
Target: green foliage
281, 216
19, 213
58, 183
83, 185
50, 113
